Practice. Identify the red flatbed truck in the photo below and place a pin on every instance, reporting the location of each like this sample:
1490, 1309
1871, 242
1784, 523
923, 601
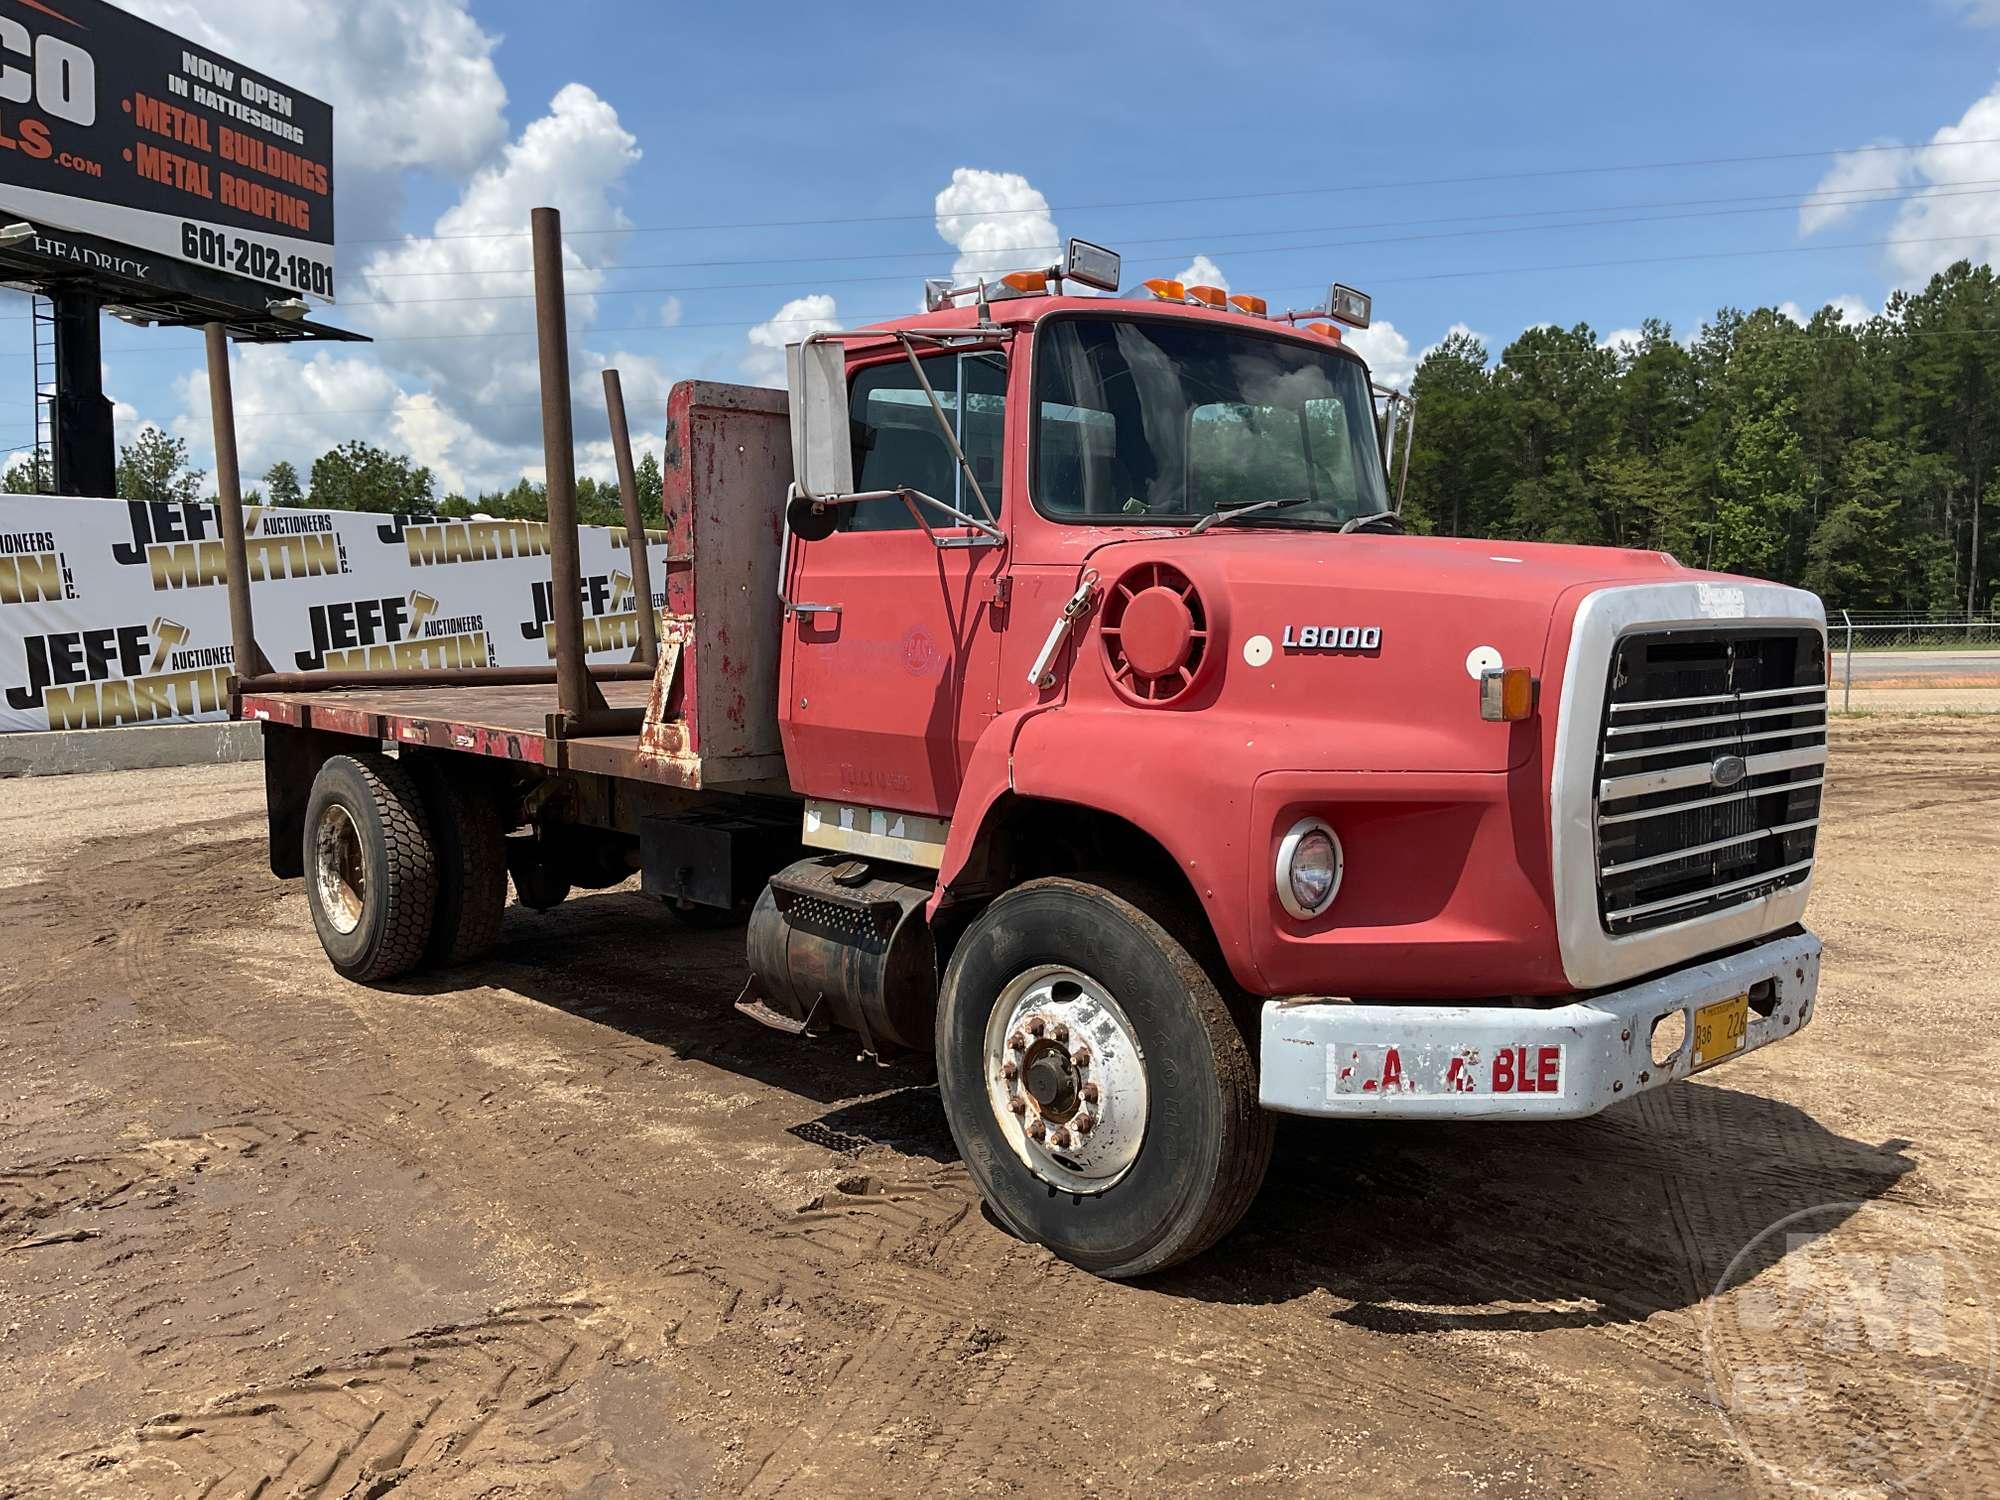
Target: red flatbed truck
1048, 679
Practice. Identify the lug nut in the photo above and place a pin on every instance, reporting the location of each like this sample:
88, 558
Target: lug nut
1084, 1124
1018, 1042
1036, 1026
1061, 1139
1061, 1033
1089, 1092
1036, 1130
1018, 1105
1081, 1057
1010, 1070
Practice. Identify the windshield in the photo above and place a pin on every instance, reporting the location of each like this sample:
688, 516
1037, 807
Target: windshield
1155, 419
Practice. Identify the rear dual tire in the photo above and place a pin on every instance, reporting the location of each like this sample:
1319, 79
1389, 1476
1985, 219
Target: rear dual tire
371, 868
404, 865
1167, 1154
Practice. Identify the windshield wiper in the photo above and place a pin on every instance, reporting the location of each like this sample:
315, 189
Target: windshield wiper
1380, 520
1236, 512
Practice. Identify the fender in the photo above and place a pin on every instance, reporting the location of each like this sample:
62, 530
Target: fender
1064, 756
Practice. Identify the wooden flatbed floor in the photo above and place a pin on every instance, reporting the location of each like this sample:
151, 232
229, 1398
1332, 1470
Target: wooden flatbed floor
506, 723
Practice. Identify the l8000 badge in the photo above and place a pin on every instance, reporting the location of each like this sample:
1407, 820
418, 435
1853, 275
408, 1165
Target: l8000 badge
1357, 638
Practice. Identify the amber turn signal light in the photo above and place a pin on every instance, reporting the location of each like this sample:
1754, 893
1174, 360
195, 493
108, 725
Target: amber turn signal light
1507, 694
1165, 290
1027, 281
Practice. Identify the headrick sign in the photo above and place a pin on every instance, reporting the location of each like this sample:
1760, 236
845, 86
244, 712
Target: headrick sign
113, 128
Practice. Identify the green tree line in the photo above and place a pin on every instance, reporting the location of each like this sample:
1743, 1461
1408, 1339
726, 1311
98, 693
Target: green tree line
1852, 458
351, 476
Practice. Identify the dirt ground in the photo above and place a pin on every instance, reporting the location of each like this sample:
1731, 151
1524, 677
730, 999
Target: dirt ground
566, 1224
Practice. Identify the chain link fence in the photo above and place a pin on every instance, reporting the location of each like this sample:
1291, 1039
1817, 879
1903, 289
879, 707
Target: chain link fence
1881, 652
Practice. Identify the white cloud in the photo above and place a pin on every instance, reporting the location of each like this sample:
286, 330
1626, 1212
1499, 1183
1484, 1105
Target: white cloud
1961, 226
467, 406
411, 82
765, 363
1623, 339
1865, 172
1852, 310
1387, 350
1203, 272
670, 313
1977, 12
996, 221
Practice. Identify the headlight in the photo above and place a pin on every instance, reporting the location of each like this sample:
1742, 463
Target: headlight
1309, 868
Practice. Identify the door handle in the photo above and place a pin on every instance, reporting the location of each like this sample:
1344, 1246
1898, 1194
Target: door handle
815, 609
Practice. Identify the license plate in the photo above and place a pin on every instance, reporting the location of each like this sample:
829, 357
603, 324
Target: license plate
1720, 1029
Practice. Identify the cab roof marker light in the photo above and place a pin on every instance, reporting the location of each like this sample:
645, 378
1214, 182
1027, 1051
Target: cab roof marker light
1165, 290
1324, 330
1208, 296
1346, 305
1255, 307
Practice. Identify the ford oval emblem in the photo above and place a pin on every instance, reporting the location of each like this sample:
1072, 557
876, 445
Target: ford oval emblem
1726, 770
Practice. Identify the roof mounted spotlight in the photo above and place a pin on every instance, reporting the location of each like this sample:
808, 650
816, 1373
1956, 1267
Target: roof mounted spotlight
14, 234
288, 309
1345, 305
130, 315
1093, 265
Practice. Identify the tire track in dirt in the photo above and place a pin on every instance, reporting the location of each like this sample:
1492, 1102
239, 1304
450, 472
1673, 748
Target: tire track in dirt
476, 1405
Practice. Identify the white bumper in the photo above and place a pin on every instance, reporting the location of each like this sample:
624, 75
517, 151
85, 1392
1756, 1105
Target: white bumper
1509, 1062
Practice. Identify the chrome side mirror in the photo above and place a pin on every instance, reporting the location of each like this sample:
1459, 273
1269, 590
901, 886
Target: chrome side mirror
822, 455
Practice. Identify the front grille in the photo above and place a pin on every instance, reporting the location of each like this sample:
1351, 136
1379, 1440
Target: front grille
1675, 839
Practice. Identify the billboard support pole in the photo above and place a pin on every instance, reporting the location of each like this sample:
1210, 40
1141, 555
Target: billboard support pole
635, 520
229, 503
580, 707
86, 461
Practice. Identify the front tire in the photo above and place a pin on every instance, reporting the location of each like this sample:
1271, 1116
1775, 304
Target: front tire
1148, 1148
371, 870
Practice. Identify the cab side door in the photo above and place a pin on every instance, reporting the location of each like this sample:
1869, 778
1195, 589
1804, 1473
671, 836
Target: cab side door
891, 649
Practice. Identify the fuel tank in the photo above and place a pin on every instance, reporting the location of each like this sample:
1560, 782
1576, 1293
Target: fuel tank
833, 942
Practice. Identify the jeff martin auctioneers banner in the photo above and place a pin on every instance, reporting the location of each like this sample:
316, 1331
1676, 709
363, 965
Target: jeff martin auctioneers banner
115, 611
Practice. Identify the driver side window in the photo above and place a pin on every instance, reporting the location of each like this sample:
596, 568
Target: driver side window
898, 443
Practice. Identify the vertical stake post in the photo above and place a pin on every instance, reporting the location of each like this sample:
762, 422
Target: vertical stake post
229, 502
576, 694
635, 521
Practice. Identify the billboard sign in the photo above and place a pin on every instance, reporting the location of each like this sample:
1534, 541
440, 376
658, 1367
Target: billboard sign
113, 128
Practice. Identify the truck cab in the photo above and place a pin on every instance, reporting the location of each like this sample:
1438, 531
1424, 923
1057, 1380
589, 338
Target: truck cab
1452, 827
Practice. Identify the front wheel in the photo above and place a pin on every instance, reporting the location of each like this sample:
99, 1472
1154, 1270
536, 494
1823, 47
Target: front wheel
1099, 1091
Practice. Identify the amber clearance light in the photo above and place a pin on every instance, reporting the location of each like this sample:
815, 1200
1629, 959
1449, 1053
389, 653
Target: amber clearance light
1506, 694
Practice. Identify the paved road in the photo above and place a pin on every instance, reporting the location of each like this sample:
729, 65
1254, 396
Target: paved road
1875, 666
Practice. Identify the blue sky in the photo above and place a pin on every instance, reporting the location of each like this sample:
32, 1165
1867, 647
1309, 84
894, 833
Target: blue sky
1254, 134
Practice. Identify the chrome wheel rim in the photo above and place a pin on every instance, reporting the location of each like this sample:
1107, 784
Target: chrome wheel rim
339, 870
1066, 1078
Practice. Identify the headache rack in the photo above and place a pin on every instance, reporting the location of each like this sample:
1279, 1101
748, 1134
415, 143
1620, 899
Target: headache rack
1711, 763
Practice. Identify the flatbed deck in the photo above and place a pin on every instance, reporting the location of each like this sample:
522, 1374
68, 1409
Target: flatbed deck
502, 722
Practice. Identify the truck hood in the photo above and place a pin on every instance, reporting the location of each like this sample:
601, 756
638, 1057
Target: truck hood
1363, 651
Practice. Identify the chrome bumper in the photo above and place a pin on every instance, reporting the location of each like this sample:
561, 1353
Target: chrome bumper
1509, 1063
